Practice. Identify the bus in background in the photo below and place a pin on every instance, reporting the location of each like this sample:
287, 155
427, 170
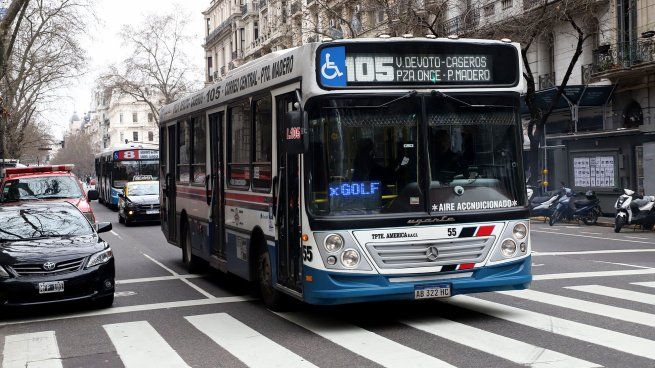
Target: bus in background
117, 166
354, 170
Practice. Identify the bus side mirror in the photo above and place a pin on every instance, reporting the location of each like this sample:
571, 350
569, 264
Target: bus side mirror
296, 140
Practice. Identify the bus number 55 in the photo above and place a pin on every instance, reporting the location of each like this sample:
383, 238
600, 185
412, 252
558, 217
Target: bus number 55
307, 253
452, 231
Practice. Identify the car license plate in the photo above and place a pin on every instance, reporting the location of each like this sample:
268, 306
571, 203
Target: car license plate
51, 287
152, 212
432, 291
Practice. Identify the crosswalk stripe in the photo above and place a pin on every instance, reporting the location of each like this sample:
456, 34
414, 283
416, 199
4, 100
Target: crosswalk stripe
139, 345
611, 292
604, 310
370, 345
646, 284
595, 335
504, 347
248, 345
587, 274
31, 350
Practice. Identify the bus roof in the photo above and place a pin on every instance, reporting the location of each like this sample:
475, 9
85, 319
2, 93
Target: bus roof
298, 63
129, 146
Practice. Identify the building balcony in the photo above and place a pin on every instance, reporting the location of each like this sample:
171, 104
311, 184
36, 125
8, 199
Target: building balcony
532, 4
624, 58
218, 31
547, 81
249, 9
462, 23
262, 4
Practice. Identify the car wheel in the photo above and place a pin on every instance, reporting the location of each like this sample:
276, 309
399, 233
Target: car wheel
120, 219
105, 301
191, 262
273, 298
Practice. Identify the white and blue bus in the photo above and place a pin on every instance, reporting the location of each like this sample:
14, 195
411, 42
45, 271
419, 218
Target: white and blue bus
118, 165
354, 170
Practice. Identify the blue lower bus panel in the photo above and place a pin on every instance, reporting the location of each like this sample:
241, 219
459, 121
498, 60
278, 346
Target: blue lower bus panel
340, 288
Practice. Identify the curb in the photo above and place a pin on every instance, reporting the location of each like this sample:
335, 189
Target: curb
603, 223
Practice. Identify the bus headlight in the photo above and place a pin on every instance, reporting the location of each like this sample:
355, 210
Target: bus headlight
350, 258
520, 231
333, 243
508, 248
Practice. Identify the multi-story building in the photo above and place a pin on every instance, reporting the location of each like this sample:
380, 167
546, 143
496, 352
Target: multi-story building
120, 119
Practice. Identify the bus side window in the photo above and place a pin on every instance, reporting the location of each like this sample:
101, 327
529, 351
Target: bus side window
199, 158
238, 153
183, 150
262, 160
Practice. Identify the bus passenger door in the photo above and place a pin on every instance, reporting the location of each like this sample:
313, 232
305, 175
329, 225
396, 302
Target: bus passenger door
288, 206
168, 210
216, 182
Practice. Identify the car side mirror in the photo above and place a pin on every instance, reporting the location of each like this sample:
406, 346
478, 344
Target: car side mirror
103, 227
93, 195
121, 195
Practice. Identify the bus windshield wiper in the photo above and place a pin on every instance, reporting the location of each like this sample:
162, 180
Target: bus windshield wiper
440, 94
386, 104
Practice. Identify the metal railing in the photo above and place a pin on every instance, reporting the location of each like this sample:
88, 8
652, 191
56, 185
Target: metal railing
462, 23
547, 80
623, 55
585, 72
217, 31
529, 4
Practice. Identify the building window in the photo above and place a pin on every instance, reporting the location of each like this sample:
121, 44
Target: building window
151, 136
209, 26
135, 136
120, 119
198, 159
150, 117
380, 16
183, 151
134, 117
255, 31
122, 136
261, 166
506, 4
238, 173
489, 10
209, 66
242, 36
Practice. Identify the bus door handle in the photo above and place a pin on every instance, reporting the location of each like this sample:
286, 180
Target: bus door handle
167, 179
208, 198
276, 197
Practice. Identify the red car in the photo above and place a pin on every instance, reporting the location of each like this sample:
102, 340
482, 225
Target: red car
47, 183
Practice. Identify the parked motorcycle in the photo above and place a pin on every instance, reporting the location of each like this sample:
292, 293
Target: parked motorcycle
568, 208
545, 205
632, 208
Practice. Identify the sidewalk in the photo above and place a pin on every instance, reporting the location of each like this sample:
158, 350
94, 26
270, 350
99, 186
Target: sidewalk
604, 221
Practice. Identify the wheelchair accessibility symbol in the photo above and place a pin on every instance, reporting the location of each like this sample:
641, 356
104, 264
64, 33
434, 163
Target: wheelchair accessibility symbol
333, 66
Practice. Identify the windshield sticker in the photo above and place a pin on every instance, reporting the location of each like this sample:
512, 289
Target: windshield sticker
469, 206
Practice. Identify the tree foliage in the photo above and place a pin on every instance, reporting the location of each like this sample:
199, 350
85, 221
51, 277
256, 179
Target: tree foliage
77, 150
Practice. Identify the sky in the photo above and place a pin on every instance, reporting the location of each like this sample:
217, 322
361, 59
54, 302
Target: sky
104, 47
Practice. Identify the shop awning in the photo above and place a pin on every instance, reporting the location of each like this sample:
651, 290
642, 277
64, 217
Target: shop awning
581, 95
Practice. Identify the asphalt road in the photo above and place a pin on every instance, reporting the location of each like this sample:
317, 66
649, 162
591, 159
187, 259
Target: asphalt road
592, 304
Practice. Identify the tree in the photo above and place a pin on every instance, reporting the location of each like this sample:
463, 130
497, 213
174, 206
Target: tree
46, 56
157, 70
79, 151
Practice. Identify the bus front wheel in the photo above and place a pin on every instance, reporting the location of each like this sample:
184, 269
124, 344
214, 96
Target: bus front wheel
273, 298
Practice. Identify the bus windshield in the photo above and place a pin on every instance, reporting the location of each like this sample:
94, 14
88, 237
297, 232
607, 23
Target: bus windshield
124, 171
367, 156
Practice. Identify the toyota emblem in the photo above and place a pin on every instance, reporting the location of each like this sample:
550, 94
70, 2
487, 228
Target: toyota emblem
432, 253
49, 266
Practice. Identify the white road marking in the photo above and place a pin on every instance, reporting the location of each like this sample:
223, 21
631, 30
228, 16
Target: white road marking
537, 265
595, 335
370, 345
622, 264
606, 251
191, 284
592, 237
590, 233
140, 346
116, 234
636, 237
646, 284
246, 344
158, 278
611, 292
504, 347
604, 310
31, 350
581, 275
120, 294
134, 308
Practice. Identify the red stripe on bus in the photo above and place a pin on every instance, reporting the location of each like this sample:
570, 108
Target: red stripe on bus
485, 230
248, 197
192, 190
466, 266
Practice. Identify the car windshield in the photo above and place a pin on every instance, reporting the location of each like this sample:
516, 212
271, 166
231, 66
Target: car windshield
142, 189
124, 171
36, 223
367, 156
43, 187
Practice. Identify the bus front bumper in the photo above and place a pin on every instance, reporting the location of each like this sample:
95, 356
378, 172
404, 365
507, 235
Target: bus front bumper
341, 288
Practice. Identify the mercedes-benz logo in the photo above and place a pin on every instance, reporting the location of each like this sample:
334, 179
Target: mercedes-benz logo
432, 253
49, 266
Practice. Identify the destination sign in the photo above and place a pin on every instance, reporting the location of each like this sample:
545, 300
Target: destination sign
431, 64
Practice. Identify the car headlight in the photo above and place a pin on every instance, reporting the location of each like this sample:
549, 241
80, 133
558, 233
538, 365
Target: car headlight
350, 258
100, 258
508, 248
333, 243
3, 273
520, 231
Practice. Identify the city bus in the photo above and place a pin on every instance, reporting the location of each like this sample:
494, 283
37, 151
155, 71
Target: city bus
354, 171
117, 166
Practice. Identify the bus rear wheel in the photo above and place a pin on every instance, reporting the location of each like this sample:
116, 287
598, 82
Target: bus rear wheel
273, 298
190, 261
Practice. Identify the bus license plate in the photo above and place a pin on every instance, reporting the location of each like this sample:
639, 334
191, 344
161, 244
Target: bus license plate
430, 292
152, 212
51, 287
